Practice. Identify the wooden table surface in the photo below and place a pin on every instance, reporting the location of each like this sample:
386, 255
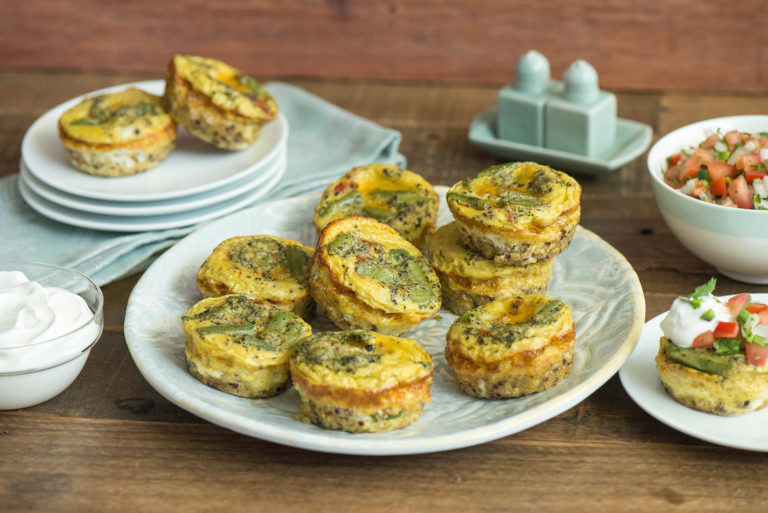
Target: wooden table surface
111, 443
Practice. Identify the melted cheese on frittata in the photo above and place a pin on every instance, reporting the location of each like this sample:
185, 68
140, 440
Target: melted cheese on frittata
236, 331
226, 86
382, 268
270, 268
449, 254
397, 197
115, 117
360, 360
510, 325
520, 193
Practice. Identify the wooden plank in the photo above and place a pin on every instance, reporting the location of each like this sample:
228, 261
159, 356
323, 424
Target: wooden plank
58, 464
679, 109
678, 44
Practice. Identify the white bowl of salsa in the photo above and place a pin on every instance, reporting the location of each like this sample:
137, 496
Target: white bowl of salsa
726, 228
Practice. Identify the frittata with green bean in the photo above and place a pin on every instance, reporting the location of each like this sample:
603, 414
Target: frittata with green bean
272, 269
397, 197
365, 275
241, 346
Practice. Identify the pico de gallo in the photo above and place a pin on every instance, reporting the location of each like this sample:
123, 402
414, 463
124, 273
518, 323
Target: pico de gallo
727, 169
737, 325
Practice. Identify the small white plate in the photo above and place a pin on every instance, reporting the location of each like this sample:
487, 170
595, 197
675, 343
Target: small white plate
641, 381
632, 138
193, 167
153, 208
606, 299
147, 223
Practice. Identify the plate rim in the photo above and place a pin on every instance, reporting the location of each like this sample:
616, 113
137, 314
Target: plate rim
640, 394
184, 219
281, 122
365, 446
151, 208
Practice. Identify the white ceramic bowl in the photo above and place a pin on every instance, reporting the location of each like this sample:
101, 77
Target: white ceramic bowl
734, 240
33, 373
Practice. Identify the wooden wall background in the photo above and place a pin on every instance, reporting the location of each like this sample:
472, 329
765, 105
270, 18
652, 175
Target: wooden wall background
634, 44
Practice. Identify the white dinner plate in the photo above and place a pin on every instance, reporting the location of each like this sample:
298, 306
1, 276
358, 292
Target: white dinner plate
193, 167
147, 223
641, 381
158, 207
606, 299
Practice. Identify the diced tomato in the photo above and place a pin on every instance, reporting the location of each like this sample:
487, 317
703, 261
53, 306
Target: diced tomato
710, 141
688, 173
756, 355
700, 157
718, 168
759, 309
725, 329
345, 186
706, 339
718, 187
738, 302
674, 159
738, 190
751, 175
748, 161
672, 176
732, 138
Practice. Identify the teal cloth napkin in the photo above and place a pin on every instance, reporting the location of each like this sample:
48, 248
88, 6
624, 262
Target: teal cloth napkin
324, 142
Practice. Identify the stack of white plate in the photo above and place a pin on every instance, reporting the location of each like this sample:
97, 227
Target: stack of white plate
196, 183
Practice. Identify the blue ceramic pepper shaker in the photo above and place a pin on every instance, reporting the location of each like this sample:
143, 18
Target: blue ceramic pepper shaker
521, 104
582, 119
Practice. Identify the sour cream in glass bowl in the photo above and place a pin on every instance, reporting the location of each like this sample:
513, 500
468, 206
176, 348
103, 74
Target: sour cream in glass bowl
50, 318
733, 240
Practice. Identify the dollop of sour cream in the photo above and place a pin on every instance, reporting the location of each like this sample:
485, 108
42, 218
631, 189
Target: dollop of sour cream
31, 313
684, 323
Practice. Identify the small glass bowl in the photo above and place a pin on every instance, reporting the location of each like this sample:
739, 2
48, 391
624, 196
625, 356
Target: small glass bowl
34, 373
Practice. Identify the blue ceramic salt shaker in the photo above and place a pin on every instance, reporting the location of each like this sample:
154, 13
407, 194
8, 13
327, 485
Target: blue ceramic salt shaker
582, 119
521, 104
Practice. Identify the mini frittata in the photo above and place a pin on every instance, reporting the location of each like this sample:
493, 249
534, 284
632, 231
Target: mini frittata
397, 197
238, 345
470, 279
360, 381
517, 213
723, 384
511, 347
216, 102
273, 269
366, 276
713, 353
117, 134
